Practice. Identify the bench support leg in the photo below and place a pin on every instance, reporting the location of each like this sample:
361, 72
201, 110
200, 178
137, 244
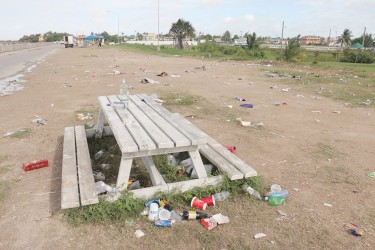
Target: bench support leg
198, 164
100, 125
124, 173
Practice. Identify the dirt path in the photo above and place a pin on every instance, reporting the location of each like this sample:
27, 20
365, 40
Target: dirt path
320, 157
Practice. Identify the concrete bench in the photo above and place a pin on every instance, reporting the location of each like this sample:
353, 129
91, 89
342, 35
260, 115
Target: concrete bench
78, 184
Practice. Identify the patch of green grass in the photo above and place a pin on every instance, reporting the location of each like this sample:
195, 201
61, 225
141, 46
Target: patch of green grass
129, 207
355, 67
22, 133
179, 99
4, 188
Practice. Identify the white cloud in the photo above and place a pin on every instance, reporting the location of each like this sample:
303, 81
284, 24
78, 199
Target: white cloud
249, 18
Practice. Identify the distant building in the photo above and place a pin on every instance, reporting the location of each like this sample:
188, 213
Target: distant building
307, 40
333, 41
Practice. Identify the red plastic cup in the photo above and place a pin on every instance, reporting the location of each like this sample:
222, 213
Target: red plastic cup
198, 204
232, 149
210, 200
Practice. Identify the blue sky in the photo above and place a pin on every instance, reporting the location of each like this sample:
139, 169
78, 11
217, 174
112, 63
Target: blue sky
305, 17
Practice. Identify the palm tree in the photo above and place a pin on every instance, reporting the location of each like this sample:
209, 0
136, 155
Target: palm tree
345, 38
180, 30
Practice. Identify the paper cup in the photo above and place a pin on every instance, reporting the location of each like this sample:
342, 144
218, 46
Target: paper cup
154, 211
210, 200
275, 188
197, 203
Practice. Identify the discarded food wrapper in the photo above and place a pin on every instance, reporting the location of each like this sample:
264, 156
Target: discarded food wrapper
139, 233
35, 165
220, 219
98, 176
372, 174
353, 229
259, 235
209, 223
286, 89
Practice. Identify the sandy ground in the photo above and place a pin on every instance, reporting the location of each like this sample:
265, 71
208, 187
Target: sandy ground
319, 157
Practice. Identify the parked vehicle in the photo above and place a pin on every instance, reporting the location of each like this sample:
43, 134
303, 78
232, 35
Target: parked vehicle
69, 41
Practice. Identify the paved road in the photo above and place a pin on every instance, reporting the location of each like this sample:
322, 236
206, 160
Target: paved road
13, 62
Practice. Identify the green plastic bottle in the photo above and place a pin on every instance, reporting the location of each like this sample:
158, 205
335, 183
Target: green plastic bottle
275, 200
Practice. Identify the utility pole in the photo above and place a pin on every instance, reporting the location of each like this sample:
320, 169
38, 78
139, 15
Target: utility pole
363, 40
158, 26
329, 37
282, 37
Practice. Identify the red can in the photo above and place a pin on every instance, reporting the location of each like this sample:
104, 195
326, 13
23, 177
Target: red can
35, 165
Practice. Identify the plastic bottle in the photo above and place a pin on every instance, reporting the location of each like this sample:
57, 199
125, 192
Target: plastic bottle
221, 196
252, 191
175, 217
101, 187
99, 154
283, 193
171, 160
124, 93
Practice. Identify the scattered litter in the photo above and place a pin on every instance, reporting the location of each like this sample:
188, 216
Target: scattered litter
336, 112
99, 154
139, 233
327, 205
372, 174
162, 74
284, 103
258, 124
116, 72
105, 166
259, 235
245, 124
98, 176
148, 81
160, 101
286, 90
247, 105
300, 96
87, 116
276, 104
209, 223
35, 165
270, 75
175, 76
296, 189
39, 121
240, 98
232, 149
114, 66
353, 229
135, 185
101, 188
220, 219
90, 124
203, 68
367, 102
316, 111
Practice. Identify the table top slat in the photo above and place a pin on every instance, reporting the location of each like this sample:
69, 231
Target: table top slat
139, 135
192, 133
123, 137
179, 139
